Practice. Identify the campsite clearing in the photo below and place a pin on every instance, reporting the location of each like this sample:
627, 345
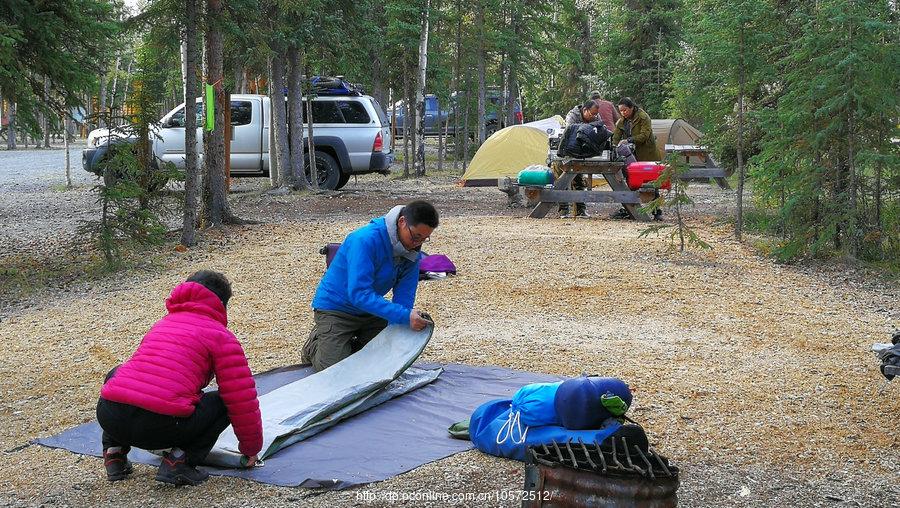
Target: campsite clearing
755, 378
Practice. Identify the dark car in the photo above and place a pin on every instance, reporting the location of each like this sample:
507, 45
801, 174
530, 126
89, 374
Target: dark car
436, 117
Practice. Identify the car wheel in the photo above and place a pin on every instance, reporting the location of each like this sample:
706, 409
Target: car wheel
345, 177
327, 171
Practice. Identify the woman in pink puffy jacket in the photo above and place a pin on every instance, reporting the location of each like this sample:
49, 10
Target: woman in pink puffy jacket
155, 399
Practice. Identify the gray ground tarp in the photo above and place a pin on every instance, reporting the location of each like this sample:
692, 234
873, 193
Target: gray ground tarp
387, 440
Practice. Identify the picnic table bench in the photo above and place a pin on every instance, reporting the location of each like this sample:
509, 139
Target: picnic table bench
701, 163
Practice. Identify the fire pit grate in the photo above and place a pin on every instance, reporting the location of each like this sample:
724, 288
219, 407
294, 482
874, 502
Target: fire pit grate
613, 457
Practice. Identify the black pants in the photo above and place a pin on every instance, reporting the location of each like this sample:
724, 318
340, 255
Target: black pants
126, 426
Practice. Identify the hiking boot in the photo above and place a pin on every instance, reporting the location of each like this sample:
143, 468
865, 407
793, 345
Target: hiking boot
621, 214
117, 465
564, 213
657, 214
177, 472
581, 211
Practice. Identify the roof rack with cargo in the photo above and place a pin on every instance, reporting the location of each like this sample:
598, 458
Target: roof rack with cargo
328, 85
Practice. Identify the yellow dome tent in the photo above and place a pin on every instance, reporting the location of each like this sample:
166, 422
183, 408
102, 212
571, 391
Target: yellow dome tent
509, 151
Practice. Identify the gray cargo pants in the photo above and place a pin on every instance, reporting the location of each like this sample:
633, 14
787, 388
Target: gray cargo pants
337, 335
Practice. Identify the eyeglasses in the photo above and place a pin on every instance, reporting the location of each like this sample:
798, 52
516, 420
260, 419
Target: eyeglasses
417, 238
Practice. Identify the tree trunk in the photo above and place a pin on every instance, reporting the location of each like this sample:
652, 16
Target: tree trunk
465, 151
274, 175
739, 219
102, 116
456, 140
420, 93
513, 66
65, 122
191, 171
310, 139
11, 127
296, 178
46, 123
406, 119
279, 117
111, 101
127, 85
393, 123
479, 20
215, 205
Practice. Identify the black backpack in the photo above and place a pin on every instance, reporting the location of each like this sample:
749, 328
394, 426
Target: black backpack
584, 140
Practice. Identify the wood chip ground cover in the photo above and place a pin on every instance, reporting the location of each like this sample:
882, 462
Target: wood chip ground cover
747, 373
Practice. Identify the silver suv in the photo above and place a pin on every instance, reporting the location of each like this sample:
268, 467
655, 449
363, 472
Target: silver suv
351, 135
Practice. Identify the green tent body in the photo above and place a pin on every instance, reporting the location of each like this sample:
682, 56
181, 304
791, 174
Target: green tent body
514, 148
671, 131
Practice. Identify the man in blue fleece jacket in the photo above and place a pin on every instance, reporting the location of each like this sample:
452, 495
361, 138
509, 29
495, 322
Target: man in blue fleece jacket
349, 308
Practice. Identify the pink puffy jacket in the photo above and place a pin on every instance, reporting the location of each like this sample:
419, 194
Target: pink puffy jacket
180, 355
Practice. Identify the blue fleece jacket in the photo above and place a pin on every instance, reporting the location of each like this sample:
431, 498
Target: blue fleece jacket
363, 271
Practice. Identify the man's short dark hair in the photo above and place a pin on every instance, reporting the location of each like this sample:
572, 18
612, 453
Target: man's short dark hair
589, 104
215, 282
420, 212
595, 96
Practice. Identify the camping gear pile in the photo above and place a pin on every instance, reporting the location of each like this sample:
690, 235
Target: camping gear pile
583, 409
585, 140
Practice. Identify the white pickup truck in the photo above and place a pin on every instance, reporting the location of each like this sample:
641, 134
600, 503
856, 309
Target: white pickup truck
351, 135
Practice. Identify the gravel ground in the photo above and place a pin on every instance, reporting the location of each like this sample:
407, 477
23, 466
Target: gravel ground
755, 378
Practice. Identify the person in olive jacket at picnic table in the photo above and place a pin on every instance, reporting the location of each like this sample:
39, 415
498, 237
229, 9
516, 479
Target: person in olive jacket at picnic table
634, 127
155, 400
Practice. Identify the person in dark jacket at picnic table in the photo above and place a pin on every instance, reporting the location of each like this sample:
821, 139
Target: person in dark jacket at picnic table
349, 307
583, 113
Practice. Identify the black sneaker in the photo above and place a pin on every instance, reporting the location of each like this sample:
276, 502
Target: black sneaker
178, 472
117, 465
657, 214
621, 214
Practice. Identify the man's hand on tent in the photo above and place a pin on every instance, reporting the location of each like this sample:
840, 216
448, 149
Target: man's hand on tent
418, 320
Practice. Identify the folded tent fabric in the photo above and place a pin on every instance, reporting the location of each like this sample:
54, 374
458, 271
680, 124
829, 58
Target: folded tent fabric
585, 402
291, 411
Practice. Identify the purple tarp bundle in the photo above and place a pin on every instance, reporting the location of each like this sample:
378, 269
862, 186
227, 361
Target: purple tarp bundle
392, 438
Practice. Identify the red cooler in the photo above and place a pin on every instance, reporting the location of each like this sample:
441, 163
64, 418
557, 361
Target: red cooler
640, 173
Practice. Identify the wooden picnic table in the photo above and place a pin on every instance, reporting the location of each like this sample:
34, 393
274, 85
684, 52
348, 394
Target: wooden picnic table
560, 192
710, 168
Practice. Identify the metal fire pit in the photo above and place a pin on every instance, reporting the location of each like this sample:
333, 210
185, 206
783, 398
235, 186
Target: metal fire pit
621, 472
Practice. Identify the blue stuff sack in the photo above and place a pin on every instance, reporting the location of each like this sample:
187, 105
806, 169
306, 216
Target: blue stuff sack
489, 419
532, 405
535, 404
585, 402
